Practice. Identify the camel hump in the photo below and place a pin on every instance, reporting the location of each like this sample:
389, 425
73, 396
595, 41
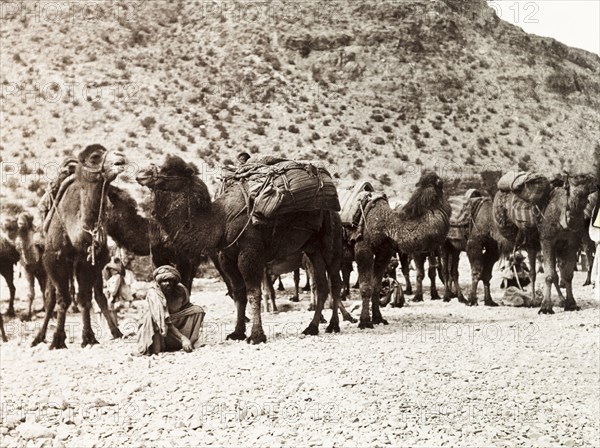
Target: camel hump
52, 198
351, 199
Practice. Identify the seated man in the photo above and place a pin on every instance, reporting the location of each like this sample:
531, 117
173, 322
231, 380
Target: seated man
171, 322
516, 266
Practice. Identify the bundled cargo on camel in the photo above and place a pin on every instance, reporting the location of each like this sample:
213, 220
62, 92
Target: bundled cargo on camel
521, 198
531, 187
278, 186
464, 209
356, 203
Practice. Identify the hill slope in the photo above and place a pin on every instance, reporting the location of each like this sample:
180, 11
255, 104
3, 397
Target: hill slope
380, 89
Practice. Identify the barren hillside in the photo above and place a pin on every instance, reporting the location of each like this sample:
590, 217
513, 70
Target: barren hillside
380, 89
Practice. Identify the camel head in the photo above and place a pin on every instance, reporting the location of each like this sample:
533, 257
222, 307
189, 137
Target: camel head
96, 163
10, 227
174, 175
428, 196
24, 222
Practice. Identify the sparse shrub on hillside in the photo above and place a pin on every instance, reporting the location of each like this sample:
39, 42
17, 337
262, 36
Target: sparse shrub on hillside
377, 117
523, 166
36, 185
359, 163
415, 129
386, 128
444, 142
293, 129
419, 143
11, 208
353, 144
524, 126
470, 161
12, 184
519, 142
564, 83
400, 171
418, 161
148, 123
378, 140
355, 174
385, 180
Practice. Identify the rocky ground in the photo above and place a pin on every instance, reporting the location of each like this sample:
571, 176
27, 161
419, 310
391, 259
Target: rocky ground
438, 375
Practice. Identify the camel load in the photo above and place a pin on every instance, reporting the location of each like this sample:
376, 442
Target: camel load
356, 203
464, 208
278, 186
520, 199
530, 187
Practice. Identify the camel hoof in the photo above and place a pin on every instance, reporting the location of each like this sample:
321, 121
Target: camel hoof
4, 338
350, 319
587, 283
38, 340
306, 289
257, 338
246, 319
322, 320
545, 311
75, 309
88, 339
473, 302
295, 299
58, 343
365, 324
332, 328
435, 297
280, 288
418, 298
25, 317
311, 330
10, 312
311, 307
381, 320
236, 336
572, 307
490, 303
408, 291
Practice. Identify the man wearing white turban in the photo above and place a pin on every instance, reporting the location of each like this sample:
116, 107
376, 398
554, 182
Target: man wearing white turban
171, 322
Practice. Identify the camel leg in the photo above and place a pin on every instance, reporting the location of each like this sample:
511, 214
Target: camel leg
4, 338
63, 299
420, 265
432, 273
8, 273
74, 305
252, 266
550, 279
489, 259
335, 283
49, 305
307, 287
589, 252
280, 284
346, 270
268, 287
445, 259
237, 288
532, 257
320, 284
41, 279
566, 273
296, 297
30, 278
364, 261
310, 272
380, 265
109, 315
405, 267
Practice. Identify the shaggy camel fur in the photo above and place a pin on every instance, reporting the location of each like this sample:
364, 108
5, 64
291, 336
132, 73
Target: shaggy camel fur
483, 252
30, 245
420, 226
76, 242
195, 224
8, 258
564, 205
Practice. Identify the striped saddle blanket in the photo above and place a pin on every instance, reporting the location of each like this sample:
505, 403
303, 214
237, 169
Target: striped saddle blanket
511, 209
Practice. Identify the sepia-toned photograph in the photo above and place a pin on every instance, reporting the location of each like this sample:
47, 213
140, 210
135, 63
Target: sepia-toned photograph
303, 223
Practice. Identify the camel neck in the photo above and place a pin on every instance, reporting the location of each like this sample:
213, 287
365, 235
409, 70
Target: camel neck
92, 195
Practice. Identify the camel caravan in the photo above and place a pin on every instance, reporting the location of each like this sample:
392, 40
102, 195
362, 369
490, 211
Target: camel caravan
273, 216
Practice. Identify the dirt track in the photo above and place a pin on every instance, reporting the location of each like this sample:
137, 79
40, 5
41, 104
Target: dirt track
438, 375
